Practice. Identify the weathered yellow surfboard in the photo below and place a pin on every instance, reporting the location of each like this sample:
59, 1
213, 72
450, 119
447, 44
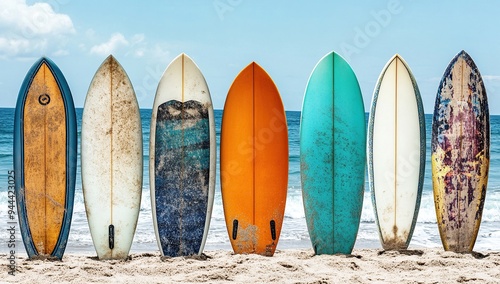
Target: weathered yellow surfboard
45, 159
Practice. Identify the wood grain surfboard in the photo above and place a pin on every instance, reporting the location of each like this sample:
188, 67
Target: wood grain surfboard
460, 153
45, 149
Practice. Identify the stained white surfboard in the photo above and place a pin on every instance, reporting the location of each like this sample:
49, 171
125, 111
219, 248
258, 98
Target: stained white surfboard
396, 151
112, 157
182, 159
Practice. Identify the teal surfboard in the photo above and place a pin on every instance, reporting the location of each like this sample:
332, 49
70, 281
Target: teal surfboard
333, 155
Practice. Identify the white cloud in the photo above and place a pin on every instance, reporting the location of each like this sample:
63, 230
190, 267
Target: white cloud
60, 52
136, 46
140, 52
495, 78
138, 38
160, 52
26, 29
116, 41
12, 45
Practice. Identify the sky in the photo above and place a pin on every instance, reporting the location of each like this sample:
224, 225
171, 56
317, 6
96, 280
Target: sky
287, 38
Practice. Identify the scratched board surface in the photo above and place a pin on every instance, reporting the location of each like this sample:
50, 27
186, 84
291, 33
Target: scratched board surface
45, 159
460, 153
182, 166
111, 160
332, 155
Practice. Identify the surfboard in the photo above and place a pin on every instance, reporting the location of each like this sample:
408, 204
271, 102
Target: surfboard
111, 162
460, 153
332, 155
396, 153
182, 159
45, 149
254, 162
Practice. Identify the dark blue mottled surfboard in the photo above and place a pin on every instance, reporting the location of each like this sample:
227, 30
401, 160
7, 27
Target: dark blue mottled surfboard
182, 167
182, 159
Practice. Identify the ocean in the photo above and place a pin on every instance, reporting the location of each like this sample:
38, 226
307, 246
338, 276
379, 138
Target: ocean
294, 232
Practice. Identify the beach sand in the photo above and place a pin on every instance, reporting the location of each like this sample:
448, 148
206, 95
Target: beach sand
286, 266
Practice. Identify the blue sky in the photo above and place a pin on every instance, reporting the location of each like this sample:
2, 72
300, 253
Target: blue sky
287, 38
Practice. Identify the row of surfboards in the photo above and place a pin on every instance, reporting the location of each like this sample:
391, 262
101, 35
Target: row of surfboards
254, 158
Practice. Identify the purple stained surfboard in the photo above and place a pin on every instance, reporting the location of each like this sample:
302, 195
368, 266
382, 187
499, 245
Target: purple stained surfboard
460, 153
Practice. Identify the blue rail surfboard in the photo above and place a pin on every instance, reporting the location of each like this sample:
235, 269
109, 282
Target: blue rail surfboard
45, 149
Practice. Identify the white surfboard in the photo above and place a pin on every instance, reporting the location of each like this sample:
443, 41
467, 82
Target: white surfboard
182, 159
396, 153
112, 166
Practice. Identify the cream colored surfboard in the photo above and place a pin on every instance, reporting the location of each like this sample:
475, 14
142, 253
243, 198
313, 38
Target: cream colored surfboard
111, 160
396, 153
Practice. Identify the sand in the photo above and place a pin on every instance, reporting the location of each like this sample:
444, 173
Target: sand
286, 266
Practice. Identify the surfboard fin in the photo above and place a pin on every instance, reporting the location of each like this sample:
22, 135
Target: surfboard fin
111, 230
273, 229
235, 229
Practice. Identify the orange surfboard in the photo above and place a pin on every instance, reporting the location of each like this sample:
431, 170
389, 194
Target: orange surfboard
254, 162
